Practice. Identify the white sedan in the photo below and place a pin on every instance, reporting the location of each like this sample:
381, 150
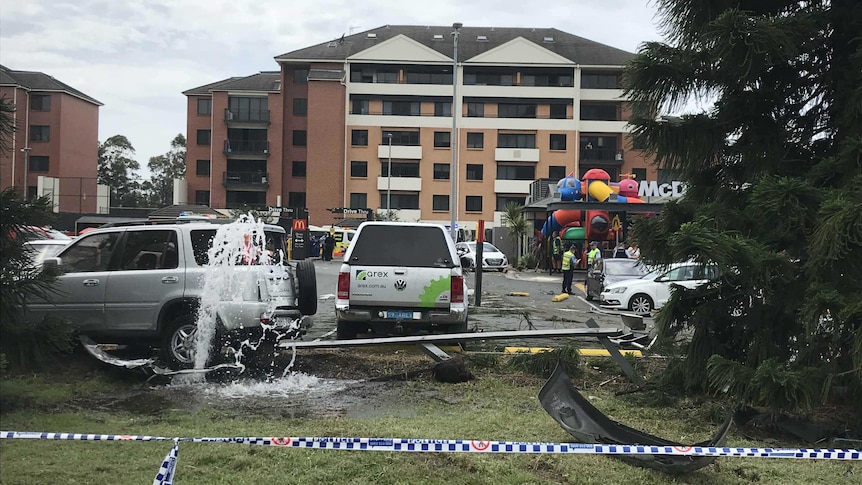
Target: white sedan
492, 258
651, 291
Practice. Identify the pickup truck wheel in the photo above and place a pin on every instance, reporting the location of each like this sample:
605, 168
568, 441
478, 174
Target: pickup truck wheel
178, 342
346, 331
307, 282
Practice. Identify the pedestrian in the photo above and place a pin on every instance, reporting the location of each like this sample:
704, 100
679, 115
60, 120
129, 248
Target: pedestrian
328, 247
594, 255
634, 251
568, 264
620, 251
557, 253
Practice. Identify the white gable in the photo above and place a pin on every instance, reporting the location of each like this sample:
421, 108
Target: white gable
400, 48
519, 51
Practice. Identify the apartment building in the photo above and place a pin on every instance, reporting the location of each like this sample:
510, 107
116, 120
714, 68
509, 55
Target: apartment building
366, 121
54, 150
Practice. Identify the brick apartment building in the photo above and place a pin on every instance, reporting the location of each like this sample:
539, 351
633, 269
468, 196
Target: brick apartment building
531, 104
56, 138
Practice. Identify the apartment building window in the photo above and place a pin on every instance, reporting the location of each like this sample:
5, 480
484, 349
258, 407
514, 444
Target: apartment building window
503, 201
516, 172
300, 106
475, 140
556, 172
558, 141
387, 77
38, 163
474, 171
516, 140
473, 203
638, 143
400, 169
297, 169
203, 168
639, 173
247, 108
358, 200
516, 110
440, 203
401, 108
441, 171
359, 107
489, 79
402, 138
205, 106
204, 137
416, 77
299, 138
359, 138
441, 139
599, 81
296, 199
300, 76
476, 110
359, 169
559, 111
443, 108
40, 102
40, 133
400, 201
202, 197
599, 112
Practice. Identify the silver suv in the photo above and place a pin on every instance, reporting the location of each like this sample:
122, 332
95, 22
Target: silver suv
142, 284
400, 278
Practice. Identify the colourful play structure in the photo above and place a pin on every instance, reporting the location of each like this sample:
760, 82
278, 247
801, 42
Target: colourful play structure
577, 226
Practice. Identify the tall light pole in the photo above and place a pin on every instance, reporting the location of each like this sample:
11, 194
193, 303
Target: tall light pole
389, 180
26, 151
453, 171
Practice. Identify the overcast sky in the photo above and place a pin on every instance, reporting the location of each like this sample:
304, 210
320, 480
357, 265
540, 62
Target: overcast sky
137, 57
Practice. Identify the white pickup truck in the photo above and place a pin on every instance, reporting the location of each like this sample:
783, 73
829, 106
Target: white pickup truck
401, 278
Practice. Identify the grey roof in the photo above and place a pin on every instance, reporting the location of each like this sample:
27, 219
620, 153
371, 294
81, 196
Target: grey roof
262, 81
39, 81
577, 49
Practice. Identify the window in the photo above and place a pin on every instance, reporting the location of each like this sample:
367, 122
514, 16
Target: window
401, 108
203, 168
443, 108
639, 173
204, 137
475, 140
400, 169
359, 138
298, 169
638, 143
441, 171
296, 199
148, 250
400, 201
202, 197
358, 200
516, 110
476, 110
359, 107
558, 141
503, 201
402, 138
299, 138
556, 172
359, 169
440, 203
474, 171
474, 203
205, 106
388, 77
559, 111
599, 112
300, 76
247, 108
300, 106
441, 139
599, 81
516, 172
90, 254
414, 77
38, 163
516, 140
40, 102
40, 133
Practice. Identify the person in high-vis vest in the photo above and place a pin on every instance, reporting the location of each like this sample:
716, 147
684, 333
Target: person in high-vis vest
593, 257
568, 265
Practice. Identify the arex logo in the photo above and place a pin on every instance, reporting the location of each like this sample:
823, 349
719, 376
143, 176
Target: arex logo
362, 274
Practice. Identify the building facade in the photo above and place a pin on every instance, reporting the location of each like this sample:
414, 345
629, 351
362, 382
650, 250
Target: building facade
55, 148
366, 121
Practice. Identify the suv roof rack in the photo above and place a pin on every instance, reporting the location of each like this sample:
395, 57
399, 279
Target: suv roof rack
178, 220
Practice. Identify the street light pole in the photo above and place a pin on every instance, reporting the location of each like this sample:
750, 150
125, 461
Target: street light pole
26, 151
453, 171
389, 180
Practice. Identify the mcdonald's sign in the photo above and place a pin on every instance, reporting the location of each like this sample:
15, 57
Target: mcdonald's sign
300, 225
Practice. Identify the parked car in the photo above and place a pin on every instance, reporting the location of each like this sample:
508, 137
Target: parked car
39, 249
142, 282
492, 258
610, 271
399, 277
651, 291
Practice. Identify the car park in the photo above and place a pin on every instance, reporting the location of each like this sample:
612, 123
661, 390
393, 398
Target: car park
609, 271
651, 291
400, 278
492, 258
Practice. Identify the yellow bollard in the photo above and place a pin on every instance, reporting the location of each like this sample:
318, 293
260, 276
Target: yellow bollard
560, 297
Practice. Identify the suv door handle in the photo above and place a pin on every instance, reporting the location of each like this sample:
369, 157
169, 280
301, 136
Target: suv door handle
91, 282
170, 279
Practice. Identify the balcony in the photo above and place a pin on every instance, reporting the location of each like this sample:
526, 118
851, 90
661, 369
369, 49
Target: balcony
246, 147
399, 152
516, 154
258, 180
256, 116
602, 156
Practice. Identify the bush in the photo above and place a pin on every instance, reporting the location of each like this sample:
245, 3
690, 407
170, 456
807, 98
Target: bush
542, 364
526, 261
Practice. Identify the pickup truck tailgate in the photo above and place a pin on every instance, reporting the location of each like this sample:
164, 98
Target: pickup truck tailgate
400, 287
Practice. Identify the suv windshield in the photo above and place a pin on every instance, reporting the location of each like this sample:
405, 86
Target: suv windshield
408, 246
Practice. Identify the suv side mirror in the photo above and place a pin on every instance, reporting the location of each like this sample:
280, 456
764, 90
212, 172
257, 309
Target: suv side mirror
51, 263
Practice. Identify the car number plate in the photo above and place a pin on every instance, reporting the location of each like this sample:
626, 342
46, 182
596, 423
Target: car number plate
402, 315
